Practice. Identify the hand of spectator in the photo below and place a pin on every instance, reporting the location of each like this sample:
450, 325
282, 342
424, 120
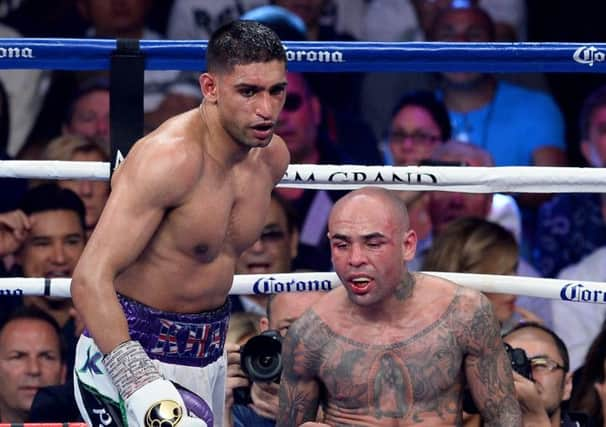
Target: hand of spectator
527, 315
265, 399
235, 376
531, 405
14, 227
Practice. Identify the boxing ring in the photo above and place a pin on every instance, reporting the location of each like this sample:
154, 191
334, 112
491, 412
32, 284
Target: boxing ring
90, 54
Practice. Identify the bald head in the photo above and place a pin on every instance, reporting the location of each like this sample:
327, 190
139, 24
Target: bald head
370, 244
470, 154
373, 198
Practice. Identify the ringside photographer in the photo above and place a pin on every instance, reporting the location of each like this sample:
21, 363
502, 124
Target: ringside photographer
541, 398
282, 310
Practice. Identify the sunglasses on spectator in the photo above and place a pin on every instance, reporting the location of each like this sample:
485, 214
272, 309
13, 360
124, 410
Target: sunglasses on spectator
293, 102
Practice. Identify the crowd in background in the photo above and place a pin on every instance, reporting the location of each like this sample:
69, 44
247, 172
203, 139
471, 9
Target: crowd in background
376, 118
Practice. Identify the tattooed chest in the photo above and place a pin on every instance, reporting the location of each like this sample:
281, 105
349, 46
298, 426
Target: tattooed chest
394, 382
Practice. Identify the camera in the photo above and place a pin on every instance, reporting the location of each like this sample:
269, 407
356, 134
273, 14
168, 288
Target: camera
520, 363
261, 361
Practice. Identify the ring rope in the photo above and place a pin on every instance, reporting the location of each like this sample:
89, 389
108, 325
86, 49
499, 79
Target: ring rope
517, 179
94, 54
247, 284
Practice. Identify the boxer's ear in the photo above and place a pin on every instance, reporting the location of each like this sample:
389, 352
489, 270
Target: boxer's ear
208, 86
409, 244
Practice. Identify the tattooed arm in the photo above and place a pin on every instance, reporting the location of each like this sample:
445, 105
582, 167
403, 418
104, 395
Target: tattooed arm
299, 387
487, 367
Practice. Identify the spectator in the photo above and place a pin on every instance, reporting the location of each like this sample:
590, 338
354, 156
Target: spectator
589, 393
299, 124
88, 113
445, 206
517, 126
542, 399
25, 91
93, 193
571, 226
339, 92
272, 253
474, 245
197, 20
410, 20
419, 123
282, 309
166, 92
47, 237
579, 324
84, 112
31, 357
286, 24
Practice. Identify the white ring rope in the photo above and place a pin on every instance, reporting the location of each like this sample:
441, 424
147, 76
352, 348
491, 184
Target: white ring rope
504, 179
246, 284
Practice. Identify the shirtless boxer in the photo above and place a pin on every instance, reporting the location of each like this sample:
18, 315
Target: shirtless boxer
390, 348
153, 280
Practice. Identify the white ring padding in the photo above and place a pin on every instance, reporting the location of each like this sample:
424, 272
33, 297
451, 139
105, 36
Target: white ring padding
54, 169
503, 179
247, 284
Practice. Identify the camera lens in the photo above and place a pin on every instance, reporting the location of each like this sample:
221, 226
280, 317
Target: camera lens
264, 367
261, 357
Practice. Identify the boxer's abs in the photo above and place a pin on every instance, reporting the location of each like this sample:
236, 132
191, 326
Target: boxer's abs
178, 284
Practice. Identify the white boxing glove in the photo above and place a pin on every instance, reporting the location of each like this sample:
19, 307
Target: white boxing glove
159, 404
150, 400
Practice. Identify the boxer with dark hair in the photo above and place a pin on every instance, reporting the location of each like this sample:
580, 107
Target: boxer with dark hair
190, 197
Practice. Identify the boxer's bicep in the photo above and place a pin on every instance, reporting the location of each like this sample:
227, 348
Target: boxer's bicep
299, 387
488, 371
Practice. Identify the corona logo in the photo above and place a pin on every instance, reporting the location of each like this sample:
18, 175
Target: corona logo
588, 55
16, 52
581, 293
314, 56
269, 285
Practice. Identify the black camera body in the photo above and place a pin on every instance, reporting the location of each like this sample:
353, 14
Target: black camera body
261, 361
520, 363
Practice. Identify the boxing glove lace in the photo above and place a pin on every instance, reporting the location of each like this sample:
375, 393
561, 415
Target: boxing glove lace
150, 400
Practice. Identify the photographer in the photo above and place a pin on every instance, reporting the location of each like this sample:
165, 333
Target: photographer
542, 395
282, 310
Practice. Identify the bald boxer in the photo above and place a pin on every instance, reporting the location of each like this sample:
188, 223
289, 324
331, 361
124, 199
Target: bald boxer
153, 280
390, 348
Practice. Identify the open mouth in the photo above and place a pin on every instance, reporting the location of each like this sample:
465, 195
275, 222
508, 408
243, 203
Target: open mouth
263, 130
258, 267
360, 285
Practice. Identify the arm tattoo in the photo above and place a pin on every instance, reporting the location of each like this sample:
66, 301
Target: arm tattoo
302, 355
488, 369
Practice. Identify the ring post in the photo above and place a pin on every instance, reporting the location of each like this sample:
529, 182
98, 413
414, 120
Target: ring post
127, 68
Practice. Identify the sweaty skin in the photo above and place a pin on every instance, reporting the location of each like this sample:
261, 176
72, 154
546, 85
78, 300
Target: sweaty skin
389, 348
187, 201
